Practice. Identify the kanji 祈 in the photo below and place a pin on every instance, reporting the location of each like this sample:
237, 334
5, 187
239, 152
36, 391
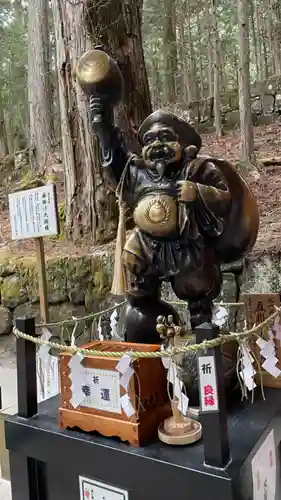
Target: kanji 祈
209, 401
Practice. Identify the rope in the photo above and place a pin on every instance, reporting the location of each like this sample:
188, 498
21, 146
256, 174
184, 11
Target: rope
84, 318
206, 344
117, 306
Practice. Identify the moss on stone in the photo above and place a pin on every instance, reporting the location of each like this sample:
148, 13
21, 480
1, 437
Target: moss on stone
13, 291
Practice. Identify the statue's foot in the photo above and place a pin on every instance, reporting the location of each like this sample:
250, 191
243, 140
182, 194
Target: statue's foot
141, 318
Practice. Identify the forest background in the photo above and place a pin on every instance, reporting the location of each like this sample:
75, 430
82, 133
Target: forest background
194, 58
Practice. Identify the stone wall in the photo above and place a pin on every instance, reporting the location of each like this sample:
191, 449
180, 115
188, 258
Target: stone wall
266, 106
81, 285
76, 286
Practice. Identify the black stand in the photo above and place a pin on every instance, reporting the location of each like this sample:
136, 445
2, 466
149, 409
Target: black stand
46, 463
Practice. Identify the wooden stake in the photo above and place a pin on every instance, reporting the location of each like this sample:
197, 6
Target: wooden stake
42, 280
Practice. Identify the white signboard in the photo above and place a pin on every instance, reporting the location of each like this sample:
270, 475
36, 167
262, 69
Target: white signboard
94, 490
208, 383
33, 213
264, 470
100, 389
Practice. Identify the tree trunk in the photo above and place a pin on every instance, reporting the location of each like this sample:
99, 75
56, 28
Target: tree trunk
186, 90
254, 37
117, 25
90, 205
4, 147
39, 90
217, 99
210, 49
191, 61
201, 74
276, 11
170, 51
247, 138
260, 72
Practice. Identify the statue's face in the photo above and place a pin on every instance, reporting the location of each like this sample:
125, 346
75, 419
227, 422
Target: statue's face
161, 147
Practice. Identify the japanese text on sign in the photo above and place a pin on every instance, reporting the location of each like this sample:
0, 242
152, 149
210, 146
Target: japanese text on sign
264, 471
208, 383
33, 213
101, 388
94, 490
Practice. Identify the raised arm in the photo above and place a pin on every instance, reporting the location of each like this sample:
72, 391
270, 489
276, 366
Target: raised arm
114, 155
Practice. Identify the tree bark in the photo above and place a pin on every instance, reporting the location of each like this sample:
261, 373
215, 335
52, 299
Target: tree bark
276, 12
117, 25
170, 51
186, 87
260, 71
90, 205
247, 137
217, 99
39, 90
254, 36
4, 147
210, 48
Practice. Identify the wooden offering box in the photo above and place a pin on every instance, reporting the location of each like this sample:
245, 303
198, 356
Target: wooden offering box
147, 390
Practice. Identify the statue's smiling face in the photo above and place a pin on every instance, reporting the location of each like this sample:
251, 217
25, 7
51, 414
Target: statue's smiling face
161, 146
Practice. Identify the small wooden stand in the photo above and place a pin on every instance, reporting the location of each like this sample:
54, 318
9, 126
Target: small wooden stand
179, 430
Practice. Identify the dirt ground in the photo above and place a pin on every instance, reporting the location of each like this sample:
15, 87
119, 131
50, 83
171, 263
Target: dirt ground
267, 189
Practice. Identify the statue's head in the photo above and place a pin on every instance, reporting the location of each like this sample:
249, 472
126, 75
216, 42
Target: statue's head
165, 138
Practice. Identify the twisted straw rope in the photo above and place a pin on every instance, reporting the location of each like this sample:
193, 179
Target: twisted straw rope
206, 344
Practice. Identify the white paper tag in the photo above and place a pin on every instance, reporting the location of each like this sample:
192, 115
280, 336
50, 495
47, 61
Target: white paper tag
126, 377
264, 470
172, 373
127, 405
183, 404
165, 360
261, 343
270, 366
250, 383
177, 387
124, 363
75, 361
208, 383
268, 350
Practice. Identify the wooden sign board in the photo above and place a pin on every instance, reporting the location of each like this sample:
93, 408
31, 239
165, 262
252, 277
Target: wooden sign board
33, 213
258, 307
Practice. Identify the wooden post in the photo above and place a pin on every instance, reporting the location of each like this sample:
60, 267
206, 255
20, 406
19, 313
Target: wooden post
26, 370
215, 432
42, 280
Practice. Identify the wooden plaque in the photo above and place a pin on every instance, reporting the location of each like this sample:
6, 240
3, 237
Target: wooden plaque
147, 391
258, 307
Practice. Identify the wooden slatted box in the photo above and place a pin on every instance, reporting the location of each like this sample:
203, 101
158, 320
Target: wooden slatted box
147, 390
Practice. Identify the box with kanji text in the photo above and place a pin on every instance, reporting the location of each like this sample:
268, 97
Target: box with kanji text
115, 397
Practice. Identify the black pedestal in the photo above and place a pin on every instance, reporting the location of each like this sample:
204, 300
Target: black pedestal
46, 462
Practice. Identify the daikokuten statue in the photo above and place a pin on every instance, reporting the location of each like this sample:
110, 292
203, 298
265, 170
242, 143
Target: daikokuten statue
191, 213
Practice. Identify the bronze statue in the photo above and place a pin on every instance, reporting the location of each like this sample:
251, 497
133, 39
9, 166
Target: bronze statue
191, 213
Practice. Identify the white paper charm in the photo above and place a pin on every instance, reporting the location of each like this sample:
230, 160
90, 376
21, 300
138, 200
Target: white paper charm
183, 404
165, 359
124, 363
48, 384
127, 405
126, 377
220, 316
208, 383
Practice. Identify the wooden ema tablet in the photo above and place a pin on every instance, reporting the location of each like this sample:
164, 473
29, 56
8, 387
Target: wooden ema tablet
147, 390
258, 307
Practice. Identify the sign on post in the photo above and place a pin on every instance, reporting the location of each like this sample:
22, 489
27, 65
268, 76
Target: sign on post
33, 213
208, 383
